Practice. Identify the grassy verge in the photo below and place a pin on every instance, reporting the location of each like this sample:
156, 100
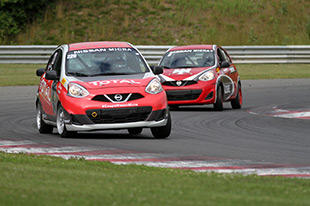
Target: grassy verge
274, 71
19, 74
24, 74
34, 180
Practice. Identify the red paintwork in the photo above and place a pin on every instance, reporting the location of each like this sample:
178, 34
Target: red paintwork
96, 45
79, 105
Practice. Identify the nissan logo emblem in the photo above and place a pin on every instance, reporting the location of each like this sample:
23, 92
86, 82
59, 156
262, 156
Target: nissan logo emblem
118, 97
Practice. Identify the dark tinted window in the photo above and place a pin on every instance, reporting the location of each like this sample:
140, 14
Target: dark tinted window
188, 58
54, 62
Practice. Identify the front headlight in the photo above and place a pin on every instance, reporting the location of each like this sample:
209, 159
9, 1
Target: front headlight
207, 76
76, 90
154, 87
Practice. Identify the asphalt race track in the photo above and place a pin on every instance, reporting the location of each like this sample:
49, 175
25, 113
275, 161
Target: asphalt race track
199, 133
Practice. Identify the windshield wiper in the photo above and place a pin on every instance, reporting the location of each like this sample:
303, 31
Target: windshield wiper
178, 67
78, 74
166, 67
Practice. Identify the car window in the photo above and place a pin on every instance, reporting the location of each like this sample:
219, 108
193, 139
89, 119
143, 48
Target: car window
188, 58
57, 62
105, 61
54, 62
224, 54
220, 56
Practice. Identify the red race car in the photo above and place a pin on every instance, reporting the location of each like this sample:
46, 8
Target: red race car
101, 85
200, 74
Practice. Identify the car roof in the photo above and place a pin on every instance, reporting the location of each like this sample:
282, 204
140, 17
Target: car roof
201, 46
98, 44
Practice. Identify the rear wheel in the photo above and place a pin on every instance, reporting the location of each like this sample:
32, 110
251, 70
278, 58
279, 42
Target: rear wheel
60, 122
135, 131
237, 102
164, 131
41, 125
218, 105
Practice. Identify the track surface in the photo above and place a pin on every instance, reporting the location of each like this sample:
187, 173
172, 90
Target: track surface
198, 131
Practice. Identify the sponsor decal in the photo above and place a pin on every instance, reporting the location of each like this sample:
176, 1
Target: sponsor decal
84, 51
231, 69
63, 81
115, 81
181, 71
94, 114
188, 51
119, 105
71, 56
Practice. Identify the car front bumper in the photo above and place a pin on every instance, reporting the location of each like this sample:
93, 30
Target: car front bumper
200, 93
89, 127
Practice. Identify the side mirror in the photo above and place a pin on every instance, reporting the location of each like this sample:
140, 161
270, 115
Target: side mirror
40, 72
224, 64
51, 75
157, 70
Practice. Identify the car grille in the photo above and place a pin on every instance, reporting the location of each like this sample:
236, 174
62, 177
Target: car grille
183, 83
119, 115
179, 95
103, 98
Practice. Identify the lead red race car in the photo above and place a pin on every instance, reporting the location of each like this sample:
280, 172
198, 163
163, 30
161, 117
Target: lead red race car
100, 85
200, 74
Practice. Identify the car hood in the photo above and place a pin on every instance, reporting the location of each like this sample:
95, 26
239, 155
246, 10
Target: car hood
182, 73
100, 82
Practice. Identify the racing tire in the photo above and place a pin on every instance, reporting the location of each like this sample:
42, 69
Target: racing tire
135, 131
237, 102
41, 125
60, 124
218, 105
164, 131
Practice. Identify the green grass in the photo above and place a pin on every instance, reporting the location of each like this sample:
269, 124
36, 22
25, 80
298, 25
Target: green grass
171, 22
24, 74
19, 74
43, 180
273, 71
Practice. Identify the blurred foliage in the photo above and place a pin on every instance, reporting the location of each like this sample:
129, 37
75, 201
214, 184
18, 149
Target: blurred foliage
173, 22
15, 14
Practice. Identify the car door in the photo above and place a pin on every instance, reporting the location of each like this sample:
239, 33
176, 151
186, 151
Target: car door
229, 79
57, 67
48, 87
233, 74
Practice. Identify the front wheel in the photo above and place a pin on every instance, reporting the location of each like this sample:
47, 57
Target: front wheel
237, 102
41, 125
218, 105
164, 131
60, 122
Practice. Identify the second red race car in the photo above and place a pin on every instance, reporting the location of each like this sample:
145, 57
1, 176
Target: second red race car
200, 74
100, 85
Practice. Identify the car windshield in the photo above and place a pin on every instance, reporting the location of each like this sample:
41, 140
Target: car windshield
105, 61
188, 58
